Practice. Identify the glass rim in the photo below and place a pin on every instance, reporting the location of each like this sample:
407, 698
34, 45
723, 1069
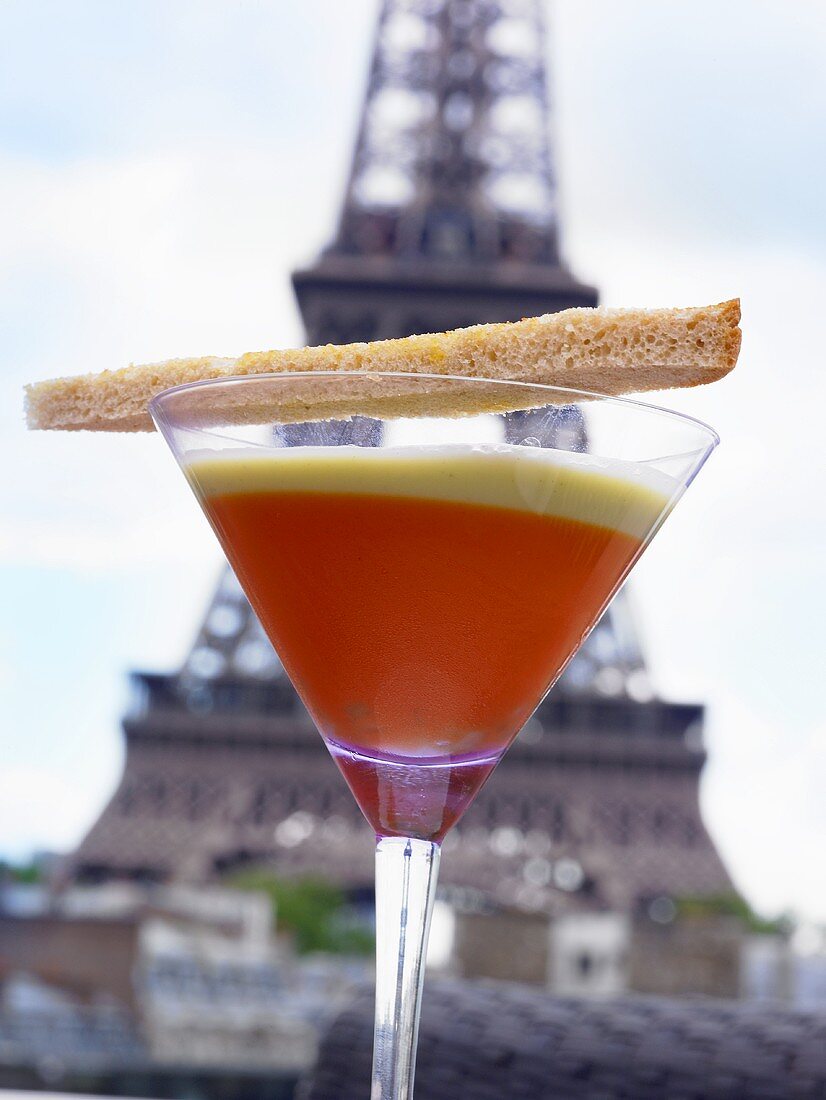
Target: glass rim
157, 401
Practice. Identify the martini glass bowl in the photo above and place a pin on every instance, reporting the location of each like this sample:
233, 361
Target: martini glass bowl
424, 580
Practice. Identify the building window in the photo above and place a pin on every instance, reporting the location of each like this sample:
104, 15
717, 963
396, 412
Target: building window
584, 965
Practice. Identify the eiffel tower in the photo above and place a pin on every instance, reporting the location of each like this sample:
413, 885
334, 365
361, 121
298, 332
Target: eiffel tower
450, 218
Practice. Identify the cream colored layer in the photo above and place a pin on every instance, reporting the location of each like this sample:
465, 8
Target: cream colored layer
622, 496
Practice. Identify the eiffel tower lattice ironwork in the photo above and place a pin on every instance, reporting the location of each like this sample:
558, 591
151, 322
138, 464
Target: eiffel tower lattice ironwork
450, 217
450, 212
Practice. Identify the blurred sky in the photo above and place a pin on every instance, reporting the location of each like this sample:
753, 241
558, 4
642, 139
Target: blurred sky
164, 163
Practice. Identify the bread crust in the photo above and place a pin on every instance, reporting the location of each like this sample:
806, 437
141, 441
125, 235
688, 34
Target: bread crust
607, 351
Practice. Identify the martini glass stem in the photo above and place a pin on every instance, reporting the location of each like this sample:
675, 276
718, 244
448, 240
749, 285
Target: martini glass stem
406, 873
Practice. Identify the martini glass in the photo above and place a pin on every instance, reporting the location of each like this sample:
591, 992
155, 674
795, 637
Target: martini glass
423, 591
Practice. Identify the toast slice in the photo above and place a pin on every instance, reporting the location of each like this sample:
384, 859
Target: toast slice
606, 351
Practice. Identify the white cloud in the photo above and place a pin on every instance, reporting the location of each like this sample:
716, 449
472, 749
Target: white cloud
168, 254
163, 255
40, 809
697, 128
763, 801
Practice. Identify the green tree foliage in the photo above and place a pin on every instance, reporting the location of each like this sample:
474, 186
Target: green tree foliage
24, 872
313, 910
732, 905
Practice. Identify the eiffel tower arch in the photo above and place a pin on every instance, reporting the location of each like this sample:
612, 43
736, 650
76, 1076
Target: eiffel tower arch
450, 217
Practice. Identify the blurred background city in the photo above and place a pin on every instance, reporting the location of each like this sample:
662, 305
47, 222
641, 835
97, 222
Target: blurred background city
186, 882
